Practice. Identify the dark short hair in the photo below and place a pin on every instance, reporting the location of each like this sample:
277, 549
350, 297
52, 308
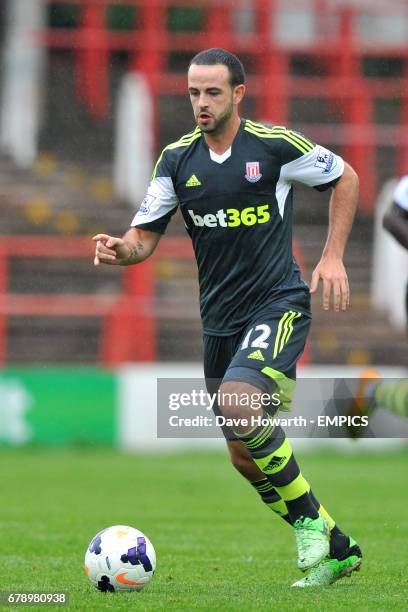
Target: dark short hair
211, 57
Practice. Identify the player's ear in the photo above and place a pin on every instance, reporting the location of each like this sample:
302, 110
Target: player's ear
238, 94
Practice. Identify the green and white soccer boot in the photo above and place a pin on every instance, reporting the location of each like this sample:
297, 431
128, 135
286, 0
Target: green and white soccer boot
330, 570
312, 541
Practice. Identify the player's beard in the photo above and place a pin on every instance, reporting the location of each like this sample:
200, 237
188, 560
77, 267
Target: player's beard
220, 122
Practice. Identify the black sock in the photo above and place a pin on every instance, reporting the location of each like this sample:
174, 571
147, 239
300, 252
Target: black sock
339, 543
301, 506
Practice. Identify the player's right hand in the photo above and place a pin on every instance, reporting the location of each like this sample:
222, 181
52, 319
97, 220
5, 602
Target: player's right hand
110, 250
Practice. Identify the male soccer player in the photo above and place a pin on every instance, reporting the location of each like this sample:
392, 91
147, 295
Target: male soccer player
395, 220
232, 179
372, 392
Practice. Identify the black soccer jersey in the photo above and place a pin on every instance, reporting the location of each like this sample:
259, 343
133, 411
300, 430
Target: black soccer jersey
237, 208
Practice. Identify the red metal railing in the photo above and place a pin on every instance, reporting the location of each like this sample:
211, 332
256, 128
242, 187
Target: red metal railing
344, 85
129, 318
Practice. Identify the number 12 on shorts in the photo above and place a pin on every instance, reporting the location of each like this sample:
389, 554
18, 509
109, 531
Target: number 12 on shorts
283, 334
260, 340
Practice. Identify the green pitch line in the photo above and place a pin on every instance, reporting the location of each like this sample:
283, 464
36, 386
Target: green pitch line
218, 547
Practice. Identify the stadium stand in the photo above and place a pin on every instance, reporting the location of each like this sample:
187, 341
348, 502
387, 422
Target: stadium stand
308, 83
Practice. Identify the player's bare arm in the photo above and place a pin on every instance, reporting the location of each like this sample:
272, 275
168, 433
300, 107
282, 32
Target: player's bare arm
134, 247
330, 268
395, 221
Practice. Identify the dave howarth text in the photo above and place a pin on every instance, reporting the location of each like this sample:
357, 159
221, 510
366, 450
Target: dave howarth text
221, 421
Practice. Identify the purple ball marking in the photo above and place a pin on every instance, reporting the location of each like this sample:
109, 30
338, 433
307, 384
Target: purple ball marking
141, 546
132, 556
95, 545
136, 556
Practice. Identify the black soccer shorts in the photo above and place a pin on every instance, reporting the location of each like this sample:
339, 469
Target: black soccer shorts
264, 354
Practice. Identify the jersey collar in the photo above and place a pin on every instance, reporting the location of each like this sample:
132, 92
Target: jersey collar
220, 159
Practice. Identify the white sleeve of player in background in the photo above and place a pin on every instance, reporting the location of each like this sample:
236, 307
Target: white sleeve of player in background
401, 193
160, 199
316, 168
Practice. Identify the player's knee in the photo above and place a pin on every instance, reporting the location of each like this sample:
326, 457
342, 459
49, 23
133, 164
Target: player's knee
235, 399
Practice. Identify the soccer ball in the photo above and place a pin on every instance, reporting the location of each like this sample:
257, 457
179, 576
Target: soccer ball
120, 558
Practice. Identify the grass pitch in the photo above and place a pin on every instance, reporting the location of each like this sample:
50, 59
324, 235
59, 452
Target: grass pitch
218, 547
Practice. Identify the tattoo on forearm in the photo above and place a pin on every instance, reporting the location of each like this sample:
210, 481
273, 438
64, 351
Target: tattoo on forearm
135, 251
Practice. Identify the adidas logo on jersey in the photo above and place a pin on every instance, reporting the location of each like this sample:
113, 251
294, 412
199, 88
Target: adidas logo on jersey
256, 355
193, 181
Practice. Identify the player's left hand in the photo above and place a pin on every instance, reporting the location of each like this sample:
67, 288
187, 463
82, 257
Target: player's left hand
334, 276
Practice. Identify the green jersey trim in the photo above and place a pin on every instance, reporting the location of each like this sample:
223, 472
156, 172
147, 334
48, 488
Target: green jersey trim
299, 142
184, 141
280, 128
